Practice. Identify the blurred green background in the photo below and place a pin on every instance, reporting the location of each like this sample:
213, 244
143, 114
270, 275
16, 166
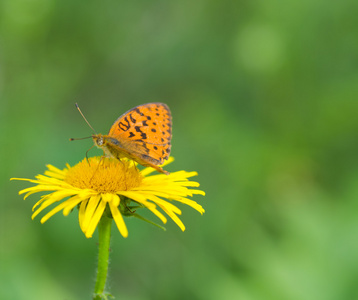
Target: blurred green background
264, 98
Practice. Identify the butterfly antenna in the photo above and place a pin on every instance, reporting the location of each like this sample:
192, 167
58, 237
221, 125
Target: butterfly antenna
87, 137
85, 118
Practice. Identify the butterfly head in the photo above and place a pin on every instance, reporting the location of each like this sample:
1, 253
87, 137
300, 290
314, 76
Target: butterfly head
99, 140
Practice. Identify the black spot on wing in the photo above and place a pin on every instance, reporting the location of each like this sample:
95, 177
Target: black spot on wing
137, 110
144, 145
132, 119
124, 125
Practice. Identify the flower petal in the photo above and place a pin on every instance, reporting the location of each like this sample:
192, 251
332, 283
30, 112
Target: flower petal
40, 188
54, 175
54, 172
158, 214
162, 202
24, 179
52, 198
137, 196
95, 218
89, 211
191, 203
49, 180
117, 216
71, 202
43, 198
57, 170
81, 212
174, 217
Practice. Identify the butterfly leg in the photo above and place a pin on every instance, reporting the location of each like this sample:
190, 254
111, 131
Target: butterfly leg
101, 160
124, 168
87, 155
124, 172
127, 208
159, 169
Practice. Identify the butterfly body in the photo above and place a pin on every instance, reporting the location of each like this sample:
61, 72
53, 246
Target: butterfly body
142, 134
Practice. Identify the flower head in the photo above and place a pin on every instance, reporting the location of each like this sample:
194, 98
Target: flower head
106, 185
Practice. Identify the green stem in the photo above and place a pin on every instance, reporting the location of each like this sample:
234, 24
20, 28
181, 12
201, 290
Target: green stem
104, 232
148, 221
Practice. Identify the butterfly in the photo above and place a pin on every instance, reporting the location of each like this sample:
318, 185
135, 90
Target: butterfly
142, 134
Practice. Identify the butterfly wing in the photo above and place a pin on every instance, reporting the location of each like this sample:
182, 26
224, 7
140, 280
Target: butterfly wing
146, 132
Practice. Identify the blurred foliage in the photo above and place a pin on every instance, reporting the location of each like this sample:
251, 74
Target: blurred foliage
264, 102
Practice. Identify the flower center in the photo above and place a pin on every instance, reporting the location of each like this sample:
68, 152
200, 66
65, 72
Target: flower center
106, 175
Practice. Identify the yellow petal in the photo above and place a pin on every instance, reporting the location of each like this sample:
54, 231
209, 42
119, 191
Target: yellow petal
57, 170
95, 219
191, 203
30, 193
43, 198
117, 216
89, 211
137, 196
54, 175
52, 198
115, 200
24, 179
81, 213
164, 203
158, 214
72, 202
40, 188
110, 198
174, 217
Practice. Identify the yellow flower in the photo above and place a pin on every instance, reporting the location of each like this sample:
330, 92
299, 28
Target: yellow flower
106, 185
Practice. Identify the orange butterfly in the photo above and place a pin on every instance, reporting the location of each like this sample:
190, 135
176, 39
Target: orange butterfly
142, 134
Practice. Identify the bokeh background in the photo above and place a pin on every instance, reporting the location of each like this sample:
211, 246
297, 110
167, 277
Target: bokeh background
264, 97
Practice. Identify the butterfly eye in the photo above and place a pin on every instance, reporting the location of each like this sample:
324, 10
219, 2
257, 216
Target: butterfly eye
100, 141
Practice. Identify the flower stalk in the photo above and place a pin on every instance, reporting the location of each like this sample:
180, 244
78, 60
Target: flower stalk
104, 239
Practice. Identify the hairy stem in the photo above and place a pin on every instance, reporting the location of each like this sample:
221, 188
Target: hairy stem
104, 232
